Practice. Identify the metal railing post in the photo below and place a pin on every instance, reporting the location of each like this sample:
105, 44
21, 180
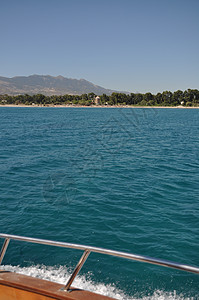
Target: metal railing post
3, 249
77, 269
88, 249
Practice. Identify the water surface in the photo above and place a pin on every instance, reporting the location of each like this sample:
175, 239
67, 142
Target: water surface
124, 179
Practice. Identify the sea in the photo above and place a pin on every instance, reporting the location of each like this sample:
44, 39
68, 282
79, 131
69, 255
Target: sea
125, 179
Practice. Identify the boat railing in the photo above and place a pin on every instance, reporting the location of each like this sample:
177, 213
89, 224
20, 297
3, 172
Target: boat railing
88, 249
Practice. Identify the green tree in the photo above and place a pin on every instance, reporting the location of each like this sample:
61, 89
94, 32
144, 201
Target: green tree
104, 99
138, 98
178, 97
39, 98
131, 99
158, 99
149, 98
167, 98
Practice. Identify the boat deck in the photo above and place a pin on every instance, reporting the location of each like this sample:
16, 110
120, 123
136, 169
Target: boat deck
21, 287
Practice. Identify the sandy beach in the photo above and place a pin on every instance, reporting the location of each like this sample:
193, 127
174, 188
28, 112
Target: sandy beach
97, 106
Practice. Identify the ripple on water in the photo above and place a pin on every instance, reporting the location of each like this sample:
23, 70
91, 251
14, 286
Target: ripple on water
91, 176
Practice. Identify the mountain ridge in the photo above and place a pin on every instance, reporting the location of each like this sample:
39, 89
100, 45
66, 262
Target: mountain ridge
49, 85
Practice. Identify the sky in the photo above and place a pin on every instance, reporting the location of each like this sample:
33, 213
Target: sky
125, 45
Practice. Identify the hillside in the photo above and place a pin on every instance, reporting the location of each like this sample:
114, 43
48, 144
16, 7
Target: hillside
48, 85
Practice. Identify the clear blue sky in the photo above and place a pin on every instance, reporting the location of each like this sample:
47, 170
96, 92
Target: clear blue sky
130, 45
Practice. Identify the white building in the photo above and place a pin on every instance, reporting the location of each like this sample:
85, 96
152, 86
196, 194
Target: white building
97, 100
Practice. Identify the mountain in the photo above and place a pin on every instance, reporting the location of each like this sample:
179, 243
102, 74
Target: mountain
49, 85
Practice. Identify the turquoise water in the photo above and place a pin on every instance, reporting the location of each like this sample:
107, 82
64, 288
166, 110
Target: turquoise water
119, 178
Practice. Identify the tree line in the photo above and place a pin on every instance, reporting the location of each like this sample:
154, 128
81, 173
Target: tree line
188, 98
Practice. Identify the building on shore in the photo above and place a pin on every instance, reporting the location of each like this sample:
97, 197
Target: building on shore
97, 100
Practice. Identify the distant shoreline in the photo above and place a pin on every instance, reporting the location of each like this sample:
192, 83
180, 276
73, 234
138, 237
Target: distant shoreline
97, 106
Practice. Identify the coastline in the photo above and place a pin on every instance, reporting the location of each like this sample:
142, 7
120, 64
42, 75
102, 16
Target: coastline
98, 106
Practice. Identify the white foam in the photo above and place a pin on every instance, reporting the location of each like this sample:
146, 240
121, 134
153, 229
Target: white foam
61, 274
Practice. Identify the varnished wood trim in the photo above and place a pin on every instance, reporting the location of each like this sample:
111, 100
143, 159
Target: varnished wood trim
25, 287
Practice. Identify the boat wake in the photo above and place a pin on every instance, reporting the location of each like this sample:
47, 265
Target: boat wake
61, 274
